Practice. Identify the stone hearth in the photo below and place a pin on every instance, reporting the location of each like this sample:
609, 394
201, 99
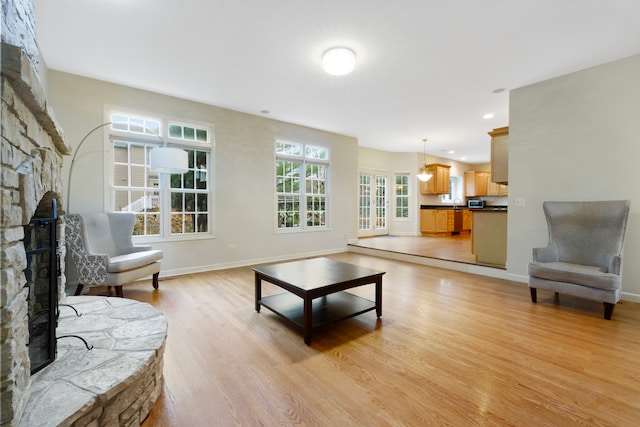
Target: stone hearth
115, 383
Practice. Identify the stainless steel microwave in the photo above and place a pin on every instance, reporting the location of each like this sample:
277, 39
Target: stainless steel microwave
475, 204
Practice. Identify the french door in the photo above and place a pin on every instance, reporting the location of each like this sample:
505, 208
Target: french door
373, 204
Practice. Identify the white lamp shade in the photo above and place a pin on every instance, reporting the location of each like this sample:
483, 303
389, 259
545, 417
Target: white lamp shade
423, 175
338, 61
168, 160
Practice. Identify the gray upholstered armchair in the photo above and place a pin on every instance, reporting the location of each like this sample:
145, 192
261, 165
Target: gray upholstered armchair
584, 254
100, 252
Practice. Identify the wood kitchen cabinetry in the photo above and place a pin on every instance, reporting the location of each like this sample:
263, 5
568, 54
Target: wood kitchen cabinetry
476, 183
500, 155
434, 221
489, 237
467, 220
439, 182
479, 183
494, 189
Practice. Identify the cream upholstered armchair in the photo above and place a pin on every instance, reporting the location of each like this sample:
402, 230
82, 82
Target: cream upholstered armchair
100, 252
584, 254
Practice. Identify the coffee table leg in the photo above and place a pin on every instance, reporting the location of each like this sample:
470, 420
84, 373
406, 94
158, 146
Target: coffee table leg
258, 292
379, 296
307, 320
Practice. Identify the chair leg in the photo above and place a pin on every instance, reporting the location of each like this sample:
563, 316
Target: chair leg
119, 291
155, 280
79, 289
608, 310
534, 295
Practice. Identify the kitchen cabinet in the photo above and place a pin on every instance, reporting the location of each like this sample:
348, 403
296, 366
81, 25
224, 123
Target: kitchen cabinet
489, 237
439, 182
476, 183
494, 189
500, 155
427, 220
435, 221
467, 220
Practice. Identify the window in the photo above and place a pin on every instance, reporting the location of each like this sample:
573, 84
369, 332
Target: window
190, 196
165, 205
402, 195
455, 190
301, 186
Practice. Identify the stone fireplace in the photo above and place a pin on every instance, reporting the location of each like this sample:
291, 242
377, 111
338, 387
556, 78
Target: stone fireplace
120, 378
31, 162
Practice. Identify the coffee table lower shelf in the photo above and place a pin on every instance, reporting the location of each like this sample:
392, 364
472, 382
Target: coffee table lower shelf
325, 310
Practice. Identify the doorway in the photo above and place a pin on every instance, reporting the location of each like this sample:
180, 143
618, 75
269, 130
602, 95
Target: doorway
373, 204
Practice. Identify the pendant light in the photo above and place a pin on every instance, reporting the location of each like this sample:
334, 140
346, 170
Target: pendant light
422, 173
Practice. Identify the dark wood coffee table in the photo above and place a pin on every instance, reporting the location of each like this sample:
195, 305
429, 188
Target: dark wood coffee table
321, 283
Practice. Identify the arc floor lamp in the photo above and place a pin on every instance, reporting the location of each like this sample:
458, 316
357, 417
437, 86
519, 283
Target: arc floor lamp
162, 159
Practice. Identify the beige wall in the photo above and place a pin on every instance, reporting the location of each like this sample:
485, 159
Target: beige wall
575, 137
243, 175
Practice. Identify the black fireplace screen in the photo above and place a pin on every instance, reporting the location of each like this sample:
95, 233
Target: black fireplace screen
40, 242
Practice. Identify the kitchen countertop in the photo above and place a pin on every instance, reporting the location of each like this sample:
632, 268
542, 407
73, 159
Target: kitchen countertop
497, 208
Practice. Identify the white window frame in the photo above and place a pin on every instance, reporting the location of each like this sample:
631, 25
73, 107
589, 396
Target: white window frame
407, 197
302, 195
455, 190
149, 138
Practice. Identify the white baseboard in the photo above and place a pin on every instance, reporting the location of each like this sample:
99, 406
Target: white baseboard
247, 262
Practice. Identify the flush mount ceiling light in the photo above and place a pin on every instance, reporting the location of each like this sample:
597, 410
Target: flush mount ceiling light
338, 61
422, 173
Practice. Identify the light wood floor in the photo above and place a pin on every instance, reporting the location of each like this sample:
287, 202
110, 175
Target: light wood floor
450, 248
451, 349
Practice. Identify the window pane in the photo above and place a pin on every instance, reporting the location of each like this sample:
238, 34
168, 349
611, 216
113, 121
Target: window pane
203, 223
153, 224
121, 175
176, 180
313, 152
202, 135
290, 148
152, 126
188, 179
138, 176
121, 199
120, 152
175, 131
176, 223
137, 154
136, 125
189, 133
177, 202
202, 202
189, 202
119, 122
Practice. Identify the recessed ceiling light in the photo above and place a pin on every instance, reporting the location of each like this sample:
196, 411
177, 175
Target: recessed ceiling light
265, 111
450, 152
488, 116
463, 158
338, 61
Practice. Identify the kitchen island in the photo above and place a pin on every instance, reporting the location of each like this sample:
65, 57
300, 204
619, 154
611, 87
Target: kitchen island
489, 236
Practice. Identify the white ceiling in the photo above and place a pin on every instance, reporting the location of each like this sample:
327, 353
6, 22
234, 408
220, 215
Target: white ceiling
425, 68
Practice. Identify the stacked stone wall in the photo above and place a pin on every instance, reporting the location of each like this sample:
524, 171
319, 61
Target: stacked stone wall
31, 153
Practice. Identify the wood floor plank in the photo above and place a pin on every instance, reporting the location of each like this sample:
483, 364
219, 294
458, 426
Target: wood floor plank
451, 349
